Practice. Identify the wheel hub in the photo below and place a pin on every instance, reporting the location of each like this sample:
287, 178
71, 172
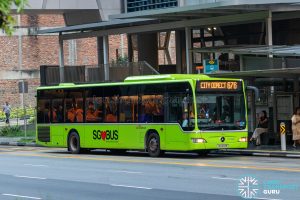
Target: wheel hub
153, 144
73, 143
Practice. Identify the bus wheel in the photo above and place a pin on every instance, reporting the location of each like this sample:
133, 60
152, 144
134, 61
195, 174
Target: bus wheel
74, 143
153, 145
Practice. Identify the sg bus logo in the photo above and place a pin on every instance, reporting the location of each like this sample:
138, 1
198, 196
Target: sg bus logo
105, 135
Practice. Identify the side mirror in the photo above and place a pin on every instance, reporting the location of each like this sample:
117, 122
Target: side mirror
256, 91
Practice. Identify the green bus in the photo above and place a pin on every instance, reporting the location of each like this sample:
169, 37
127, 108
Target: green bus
156, 113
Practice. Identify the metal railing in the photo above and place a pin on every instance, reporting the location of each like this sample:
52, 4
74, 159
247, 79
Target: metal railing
112, 72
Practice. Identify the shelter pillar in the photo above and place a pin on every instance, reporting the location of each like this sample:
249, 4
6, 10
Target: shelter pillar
148, 48
269, 38
130, 47
61, 60
269, 28
100, 51
188, 48
180, 50
106, 57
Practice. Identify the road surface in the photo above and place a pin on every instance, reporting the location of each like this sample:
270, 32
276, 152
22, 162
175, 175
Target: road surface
54, 174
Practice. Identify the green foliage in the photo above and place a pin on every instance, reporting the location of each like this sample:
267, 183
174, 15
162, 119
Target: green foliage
120, 60
31, 120
10, 131
7, 21
18, 131
20, 113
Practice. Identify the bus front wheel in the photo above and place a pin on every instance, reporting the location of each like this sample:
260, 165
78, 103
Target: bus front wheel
74, 143
153, 145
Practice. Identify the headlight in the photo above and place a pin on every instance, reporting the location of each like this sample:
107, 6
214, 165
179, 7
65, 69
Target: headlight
243, 139
198, 140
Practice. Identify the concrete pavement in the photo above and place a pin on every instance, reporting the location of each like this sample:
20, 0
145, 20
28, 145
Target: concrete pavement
264, 150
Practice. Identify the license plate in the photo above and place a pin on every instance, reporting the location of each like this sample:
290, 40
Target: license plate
222, 145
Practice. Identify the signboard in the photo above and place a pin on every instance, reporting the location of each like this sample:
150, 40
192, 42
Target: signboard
210, 66
219, 85
282, 128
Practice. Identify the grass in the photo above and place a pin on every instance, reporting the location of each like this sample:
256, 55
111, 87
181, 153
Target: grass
16, 131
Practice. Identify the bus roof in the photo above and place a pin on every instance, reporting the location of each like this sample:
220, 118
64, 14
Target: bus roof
140, 79
165, 77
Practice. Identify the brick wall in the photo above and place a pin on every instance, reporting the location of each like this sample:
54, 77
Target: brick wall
44, 50
44, 20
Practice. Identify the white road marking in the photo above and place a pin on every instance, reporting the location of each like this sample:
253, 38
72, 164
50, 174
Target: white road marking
127, 172
265, 198
293, 156
224, 178
30, 177
261, 154
32, 165
130, 186
20, 196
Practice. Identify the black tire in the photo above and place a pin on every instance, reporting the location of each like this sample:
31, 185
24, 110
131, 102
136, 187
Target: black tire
74, 143
153, 145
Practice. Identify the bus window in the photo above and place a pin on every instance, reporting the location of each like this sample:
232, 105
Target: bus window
180, 105
152, 109
94, 105
222, 111
43, 111
175, 107
74, 107
152, 103
57, 111
111, 101
111, 105
128, 109
128, 104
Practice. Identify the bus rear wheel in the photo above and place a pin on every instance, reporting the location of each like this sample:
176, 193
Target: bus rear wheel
74, 143
153, 145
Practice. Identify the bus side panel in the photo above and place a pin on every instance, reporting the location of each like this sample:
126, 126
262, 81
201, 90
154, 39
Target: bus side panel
102, 136
58, 136
130, 136
120, 136
177, 140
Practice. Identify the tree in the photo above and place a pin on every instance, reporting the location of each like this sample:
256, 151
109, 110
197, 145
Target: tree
7, 21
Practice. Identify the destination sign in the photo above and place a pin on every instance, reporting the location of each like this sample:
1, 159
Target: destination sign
219, 85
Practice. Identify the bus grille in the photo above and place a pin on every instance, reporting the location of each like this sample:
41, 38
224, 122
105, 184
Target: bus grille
44, 134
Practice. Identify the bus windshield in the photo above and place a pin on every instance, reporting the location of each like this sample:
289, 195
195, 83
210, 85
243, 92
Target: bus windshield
221, 110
